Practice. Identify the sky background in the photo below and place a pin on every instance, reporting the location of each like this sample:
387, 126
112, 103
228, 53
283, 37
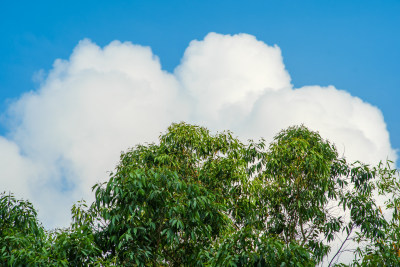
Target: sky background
351, 45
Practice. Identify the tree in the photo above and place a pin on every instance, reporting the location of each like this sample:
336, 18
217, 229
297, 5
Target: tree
384, 249
304, 189
197, 199
176, 202
24, 241
21, 235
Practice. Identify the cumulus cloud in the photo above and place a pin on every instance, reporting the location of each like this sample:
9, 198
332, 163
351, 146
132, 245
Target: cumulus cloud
225, 75
68, 134
357, 128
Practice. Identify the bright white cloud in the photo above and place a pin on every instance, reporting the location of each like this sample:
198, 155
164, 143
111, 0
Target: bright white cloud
357, 128
226, 74
67, 135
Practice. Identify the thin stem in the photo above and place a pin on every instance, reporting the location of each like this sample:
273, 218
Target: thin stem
347, 237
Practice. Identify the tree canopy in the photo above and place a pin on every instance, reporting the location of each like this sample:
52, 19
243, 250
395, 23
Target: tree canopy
198, 199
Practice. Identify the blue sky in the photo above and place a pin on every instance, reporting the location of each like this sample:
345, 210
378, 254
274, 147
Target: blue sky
352, 45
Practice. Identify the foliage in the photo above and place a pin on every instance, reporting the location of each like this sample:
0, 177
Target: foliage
197, 199
304, 190
166, 203
298, 181
384, 249
23, 240
250, 247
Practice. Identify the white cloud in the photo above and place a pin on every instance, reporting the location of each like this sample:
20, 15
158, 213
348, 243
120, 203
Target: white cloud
224, 72
13, 166
67, 135
357, 128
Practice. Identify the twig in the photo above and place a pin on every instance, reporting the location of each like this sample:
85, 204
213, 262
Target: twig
347, 237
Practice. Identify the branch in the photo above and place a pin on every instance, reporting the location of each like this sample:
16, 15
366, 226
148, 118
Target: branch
347, 237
